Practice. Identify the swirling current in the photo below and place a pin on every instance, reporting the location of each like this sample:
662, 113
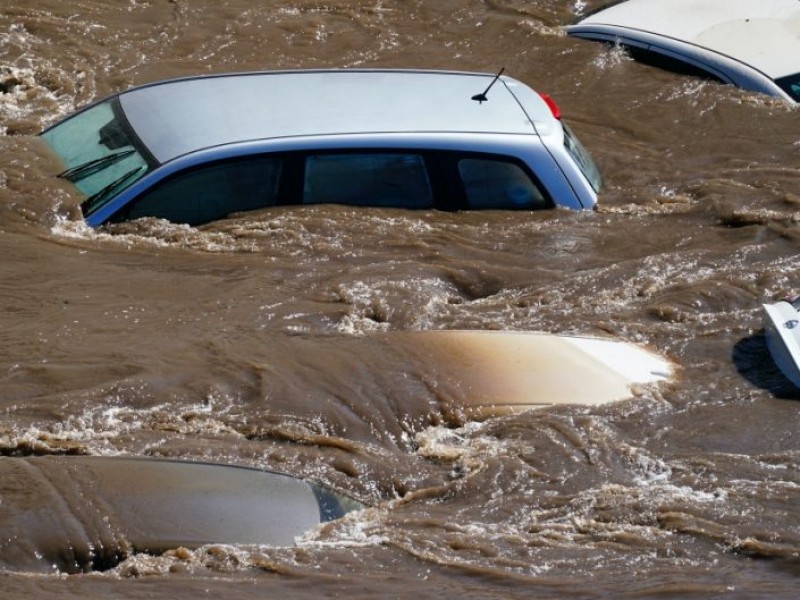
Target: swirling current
276, 340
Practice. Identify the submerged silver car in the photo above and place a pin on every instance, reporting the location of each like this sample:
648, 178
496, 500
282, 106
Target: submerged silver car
196, 150
753, 44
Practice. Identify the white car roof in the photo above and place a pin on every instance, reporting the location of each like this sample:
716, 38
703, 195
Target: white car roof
178, 117
762, 33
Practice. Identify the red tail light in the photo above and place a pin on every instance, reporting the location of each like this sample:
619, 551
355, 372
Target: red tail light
552, 104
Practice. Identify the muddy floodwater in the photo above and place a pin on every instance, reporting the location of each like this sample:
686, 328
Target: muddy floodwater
276, 339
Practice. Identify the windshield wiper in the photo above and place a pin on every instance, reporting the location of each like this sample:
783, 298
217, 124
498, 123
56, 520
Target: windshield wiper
93, 166
97, 198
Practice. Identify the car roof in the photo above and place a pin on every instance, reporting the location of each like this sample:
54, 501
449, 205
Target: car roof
765, 34
177, 117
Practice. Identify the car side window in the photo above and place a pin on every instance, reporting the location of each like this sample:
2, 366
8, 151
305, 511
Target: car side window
790, 85
663, 59
212, 192
367, 179
499, 184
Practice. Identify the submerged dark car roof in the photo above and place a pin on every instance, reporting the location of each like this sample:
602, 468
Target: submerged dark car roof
177, 117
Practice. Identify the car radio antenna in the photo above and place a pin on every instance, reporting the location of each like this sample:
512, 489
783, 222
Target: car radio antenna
481, 98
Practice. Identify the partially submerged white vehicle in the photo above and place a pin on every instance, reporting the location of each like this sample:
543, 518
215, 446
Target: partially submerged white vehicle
493, 373
753, 44
196, 150
782, 326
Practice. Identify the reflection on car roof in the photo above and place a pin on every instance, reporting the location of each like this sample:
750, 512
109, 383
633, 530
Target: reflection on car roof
764, 33
177, 117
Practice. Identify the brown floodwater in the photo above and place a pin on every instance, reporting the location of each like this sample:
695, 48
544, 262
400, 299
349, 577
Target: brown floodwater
272, 339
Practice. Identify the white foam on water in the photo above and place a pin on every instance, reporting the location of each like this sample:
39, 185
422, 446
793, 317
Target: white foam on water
97, 428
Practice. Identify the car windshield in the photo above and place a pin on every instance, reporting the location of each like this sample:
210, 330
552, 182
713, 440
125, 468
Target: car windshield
98, 151
790, 85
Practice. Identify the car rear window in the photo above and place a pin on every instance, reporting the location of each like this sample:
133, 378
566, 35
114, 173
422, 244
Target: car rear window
582, 158
499, 184
367, 179
211, 192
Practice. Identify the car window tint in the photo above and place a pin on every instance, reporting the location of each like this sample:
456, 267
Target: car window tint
96, 149
791, 85
663, 59
498, 184
212, 192
380, 179
582, 158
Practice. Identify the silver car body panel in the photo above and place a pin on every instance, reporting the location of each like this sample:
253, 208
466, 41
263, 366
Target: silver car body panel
92, 512
182, 116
